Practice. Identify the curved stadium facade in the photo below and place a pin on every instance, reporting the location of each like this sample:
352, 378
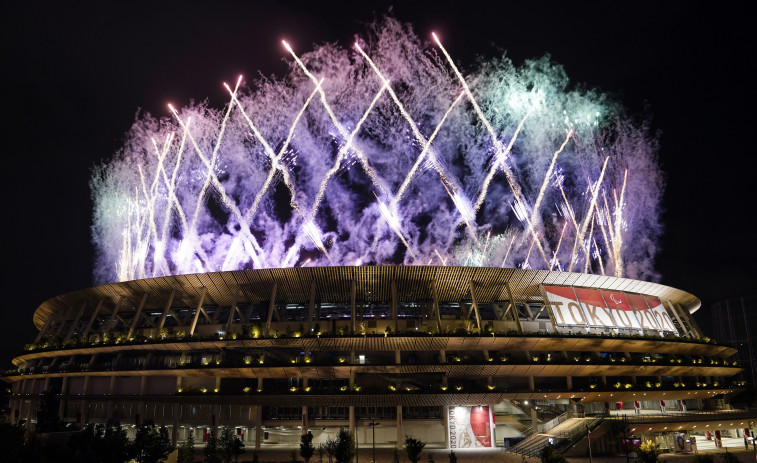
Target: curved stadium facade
457, 356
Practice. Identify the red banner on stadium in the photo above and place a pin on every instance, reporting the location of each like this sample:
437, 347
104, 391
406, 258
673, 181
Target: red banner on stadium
621, 309
582, 307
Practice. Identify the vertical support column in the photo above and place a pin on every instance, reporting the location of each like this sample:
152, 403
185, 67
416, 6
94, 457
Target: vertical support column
76, 321
233, 310
258, 422
534, 418
201, 299
175, 428
63, 393
141, 404
271, 308
549, 308
400, 436
113, 316
44, 329
311, 308
305, 418
166, 309
66, 316
111, 390
474, 305
684, 327
93, 318
137, 314
353, 423
393, 302
514, 307
435, 308
353, 309
445, 410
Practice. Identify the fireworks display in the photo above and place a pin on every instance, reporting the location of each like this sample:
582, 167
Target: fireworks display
384, 152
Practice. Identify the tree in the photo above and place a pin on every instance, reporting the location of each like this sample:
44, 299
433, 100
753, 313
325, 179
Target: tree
114, 445
548, 454
345, 447
211, 448
330, 448
413, 448
152, 444
187, 449
85, 446
306, 446
230, 445
648, 452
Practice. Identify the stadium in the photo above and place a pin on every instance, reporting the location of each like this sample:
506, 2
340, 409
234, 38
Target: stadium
250, 260
461, 357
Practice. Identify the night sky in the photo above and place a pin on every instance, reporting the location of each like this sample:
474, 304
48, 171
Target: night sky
76, 73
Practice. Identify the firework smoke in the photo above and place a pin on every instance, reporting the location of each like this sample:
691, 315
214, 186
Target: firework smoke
382, 153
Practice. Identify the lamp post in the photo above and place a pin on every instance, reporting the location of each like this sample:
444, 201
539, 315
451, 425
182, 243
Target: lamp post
373, 425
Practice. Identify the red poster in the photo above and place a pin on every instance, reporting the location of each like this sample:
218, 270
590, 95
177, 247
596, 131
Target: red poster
479, 423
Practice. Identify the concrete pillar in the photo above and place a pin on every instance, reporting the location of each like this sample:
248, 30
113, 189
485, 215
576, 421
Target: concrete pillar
445, 410
353, 423
175, 429
63, 393
400, 435
258, 422
531, 383
305, 418
569, 382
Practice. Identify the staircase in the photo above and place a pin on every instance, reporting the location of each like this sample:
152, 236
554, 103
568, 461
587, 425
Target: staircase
565, 433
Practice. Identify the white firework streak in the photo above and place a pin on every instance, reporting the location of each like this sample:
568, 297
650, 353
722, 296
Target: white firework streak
502, 151
426, 148
425, 143
171, 185
547, 177
607, 236
587, 244
275, 158
554, 260
342, 131
232, 207
599, 256
211, 164
618, 241
443, 261
582, 231
343, 152
153, 229
572, 217
413, 127
275, 167
507, 253
394, 224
